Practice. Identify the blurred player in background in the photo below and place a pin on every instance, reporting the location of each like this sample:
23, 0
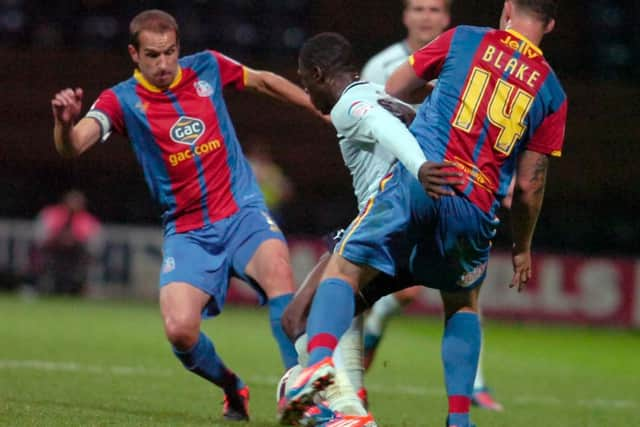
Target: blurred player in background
67, 238
216, 223
425, 20
497, 111
275, 186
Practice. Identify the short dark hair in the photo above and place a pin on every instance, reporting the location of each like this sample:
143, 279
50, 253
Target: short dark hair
154, 20
447, 4
330, 52
546, 10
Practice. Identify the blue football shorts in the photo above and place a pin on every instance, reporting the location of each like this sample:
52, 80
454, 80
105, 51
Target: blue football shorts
207, 257
444, 242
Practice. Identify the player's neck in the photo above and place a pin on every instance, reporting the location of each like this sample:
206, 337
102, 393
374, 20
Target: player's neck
414, 44
340, 83
529, 28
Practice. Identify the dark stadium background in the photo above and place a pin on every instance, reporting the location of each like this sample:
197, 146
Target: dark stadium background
593, 193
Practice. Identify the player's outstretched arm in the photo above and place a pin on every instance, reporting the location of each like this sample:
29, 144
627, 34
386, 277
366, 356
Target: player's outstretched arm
403, 82
528, 194
276, 86
71, 137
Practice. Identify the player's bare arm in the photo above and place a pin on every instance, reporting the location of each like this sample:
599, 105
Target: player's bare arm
528, 194
72, 137
404, 82
276, 86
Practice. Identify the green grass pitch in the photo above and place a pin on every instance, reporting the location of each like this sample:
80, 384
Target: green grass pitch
97, 363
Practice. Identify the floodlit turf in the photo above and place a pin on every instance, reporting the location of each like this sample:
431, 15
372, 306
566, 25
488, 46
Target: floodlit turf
96, 363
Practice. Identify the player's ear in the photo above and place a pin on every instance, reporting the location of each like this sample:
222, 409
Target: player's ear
317, 74
133, 53
550, 26
505, 17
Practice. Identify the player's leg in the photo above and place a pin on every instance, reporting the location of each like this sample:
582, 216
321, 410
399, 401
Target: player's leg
331, 314
333, 306
260, 256
460, 352
181, 305
379, 316
482, 396
193, 281
342, 395
370, 245
294, 318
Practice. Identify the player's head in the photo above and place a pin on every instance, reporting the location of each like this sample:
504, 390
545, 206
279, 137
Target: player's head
425, 20
155, 46
539, 12
323, 59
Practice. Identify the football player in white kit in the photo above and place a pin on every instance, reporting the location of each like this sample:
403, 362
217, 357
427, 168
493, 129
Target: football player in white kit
372, 139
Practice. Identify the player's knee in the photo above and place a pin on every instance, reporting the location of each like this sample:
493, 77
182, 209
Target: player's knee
406, 296
182, 331
276, 278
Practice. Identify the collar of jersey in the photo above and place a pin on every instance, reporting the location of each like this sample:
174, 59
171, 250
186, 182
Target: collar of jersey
151, 88
524, 39
353, 84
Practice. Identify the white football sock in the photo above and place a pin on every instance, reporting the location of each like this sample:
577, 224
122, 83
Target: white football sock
349, 353
342, 397
301, 348
380, 313
347, 358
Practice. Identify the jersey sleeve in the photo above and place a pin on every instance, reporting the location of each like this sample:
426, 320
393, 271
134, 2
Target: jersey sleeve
368, 120
231, 71
107, 111
428, 61
549, 137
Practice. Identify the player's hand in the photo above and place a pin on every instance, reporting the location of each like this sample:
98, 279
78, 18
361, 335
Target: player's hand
66, 106
521, 268
436, 178
402, 111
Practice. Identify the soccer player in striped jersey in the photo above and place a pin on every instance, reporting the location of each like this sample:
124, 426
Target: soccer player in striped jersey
215, 220
424, 20
498, 111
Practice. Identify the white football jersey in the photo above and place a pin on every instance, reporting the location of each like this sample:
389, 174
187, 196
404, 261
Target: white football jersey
368, 135
383, 64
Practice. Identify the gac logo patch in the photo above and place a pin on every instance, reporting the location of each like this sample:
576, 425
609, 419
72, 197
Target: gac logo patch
187, 130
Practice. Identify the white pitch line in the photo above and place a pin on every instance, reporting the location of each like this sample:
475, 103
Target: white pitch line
412, 390
43, 365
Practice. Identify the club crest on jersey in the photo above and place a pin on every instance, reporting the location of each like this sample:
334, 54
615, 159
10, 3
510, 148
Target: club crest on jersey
187, 130
169, 265
203, 88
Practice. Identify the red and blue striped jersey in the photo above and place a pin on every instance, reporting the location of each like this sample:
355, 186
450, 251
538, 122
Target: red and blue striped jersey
496, 96
184, 139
